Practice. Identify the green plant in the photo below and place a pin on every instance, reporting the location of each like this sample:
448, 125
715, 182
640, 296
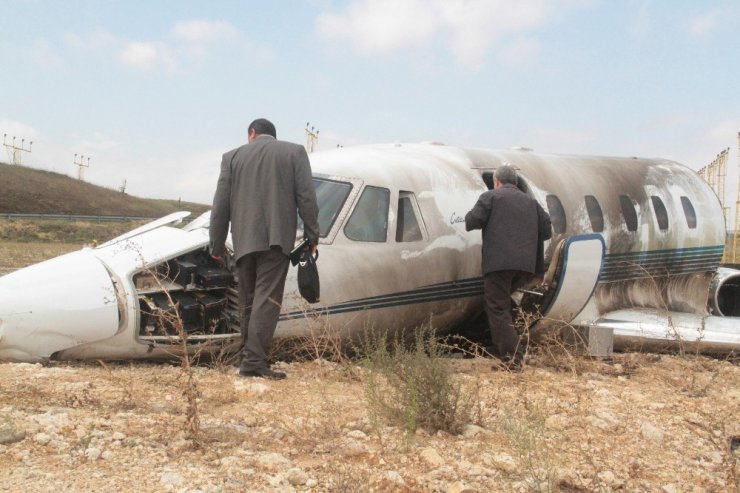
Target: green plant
526, 432
411, 383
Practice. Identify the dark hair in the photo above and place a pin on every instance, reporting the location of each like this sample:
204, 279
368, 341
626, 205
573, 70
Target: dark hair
506, 174
262, 127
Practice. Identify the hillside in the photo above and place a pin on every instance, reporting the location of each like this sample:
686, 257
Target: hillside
33, 191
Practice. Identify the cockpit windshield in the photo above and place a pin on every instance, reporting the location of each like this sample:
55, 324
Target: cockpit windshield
330, 195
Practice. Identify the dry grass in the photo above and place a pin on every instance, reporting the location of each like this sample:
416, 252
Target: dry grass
542, 430
14, 256
54, 193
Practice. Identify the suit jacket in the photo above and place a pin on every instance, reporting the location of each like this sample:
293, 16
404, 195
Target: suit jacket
260, 187
514, 227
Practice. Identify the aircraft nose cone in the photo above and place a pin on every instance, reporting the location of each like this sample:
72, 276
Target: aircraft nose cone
54, 305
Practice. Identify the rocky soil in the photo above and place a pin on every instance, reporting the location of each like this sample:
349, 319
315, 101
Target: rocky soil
639, 422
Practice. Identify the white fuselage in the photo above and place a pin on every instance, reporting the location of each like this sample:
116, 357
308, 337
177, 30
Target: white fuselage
394, 254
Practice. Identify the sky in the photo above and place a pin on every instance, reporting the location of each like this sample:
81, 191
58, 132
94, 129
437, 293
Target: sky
155, 92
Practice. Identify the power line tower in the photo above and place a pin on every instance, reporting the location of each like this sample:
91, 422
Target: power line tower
312, 138
122, 188
82, 165
14, 151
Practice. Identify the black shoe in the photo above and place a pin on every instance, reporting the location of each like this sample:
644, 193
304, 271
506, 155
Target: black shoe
264, 373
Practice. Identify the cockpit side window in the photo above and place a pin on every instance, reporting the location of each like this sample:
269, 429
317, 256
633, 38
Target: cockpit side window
557, 214
689, 212
330, 197
407, 228
369, 220
629, 212
595, 214
661, 214
488, 179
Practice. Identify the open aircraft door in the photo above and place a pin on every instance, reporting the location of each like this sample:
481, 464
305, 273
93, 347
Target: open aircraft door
569, 282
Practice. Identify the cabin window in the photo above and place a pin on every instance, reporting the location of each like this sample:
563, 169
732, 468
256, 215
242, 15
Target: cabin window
661, 214
628, 212
557, 214
330, 197
689, 212
369, 220
594, 214
488, 179
408, 228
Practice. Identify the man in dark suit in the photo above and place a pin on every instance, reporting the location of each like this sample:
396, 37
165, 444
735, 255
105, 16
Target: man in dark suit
260, 187
514, 226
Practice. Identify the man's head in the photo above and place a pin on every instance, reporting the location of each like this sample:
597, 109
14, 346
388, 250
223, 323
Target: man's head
505, 174
261, 127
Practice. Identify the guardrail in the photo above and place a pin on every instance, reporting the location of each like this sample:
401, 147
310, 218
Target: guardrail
76, 217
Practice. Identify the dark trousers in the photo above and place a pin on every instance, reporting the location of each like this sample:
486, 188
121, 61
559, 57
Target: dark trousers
497, 289
261, 284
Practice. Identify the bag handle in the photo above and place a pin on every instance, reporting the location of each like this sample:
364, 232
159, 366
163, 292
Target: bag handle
306, 257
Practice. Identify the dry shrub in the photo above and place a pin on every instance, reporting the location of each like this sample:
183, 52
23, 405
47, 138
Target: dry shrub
563, 350
412, 384
187, 379
527, 434
322, 341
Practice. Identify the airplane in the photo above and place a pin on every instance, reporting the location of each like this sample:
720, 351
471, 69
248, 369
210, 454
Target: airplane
635, 250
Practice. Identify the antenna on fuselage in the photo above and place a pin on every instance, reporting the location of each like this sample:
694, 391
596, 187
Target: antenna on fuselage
312, 138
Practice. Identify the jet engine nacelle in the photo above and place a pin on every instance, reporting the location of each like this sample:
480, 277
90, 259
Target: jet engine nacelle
724, 293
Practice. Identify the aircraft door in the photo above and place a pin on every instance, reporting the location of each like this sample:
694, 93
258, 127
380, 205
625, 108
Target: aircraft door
570, 280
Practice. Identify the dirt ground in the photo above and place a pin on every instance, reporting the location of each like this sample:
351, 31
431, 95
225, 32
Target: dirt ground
638, 422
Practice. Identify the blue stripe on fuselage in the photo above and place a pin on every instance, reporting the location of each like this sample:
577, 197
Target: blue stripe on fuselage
616, 267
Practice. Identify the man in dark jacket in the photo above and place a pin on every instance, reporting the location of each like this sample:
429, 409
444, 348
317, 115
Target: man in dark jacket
514, 225
260, 187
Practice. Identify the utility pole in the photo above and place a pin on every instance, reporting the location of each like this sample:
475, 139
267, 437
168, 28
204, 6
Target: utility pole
312, 138
82, 165
14, 151
736, 233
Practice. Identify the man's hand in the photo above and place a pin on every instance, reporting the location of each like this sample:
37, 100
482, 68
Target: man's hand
314, 249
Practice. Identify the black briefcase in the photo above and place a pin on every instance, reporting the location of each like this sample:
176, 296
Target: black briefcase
308, 277
295, 253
